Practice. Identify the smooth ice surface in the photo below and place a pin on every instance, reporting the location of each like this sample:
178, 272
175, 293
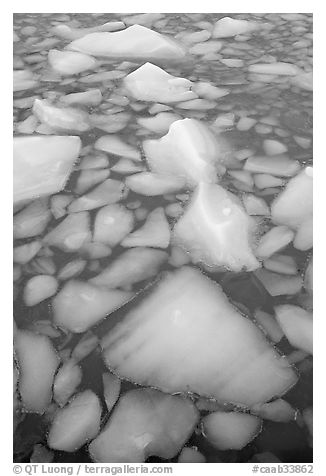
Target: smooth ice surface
32, 220
274, 240
71, 234
154, 233
297, 326
130, 267
39, 288
76, 423
151, 83
112, 224
216, 230
232, 363
294, 205
134, 42
114, 145
230, 431
287, 69
61, 118
37, 361
189, 150
42, 164
279, 165
79, 305
145, 422
66, 381
152, 184
70, 62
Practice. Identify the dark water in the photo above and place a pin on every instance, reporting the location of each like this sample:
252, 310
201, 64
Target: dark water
289, 105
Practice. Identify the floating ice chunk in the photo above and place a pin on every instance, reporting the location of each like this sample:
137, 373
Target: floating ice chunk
277, 284
232, 62
279, 410
151, 184
308, 277
191, 455
224, 121
208, 91
297, 326
206, 48
227, 27
269, 325
42, 165
24, 253
145, 19
216, 230
114, 145
304, 238
266, 180
294, 205
23, 79
112, 224
230, 431
196, 37
109, 191
189, 150
134, 42
39, 288
145, 422
71, 234
278, 68
233, 362
32, 220
61, 118
38, 361
151, 83
59, 204
66, 381
68, 33
159, 123
246, 123
85, 346
96, 250
303, 81
197, 104
89, 178
131, 267
283, 264
280, 165
68, 63
111, 389
92, 97
154, 233
255, 205
126, 167
79, 305
75, 424
274, 147
242, 176
72, 269
274, 240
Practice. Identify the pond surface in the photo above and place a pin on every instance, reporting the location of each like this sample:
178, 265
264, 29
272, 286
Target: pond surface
229, 91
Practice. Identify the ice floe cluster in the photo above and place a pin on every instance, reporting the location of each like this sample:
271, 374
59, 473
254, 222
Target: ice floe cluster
146, 194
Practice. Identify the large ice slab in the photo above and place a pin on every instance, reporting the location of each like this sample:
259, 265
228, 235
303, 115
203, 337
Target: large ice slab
151, 83
216, 230
185, 336
43, 164
134, 42
189, 150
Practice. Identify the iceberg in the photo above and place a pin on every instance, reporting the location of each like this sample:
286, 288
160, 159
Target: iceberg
42, 164
134, 42
151, 83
